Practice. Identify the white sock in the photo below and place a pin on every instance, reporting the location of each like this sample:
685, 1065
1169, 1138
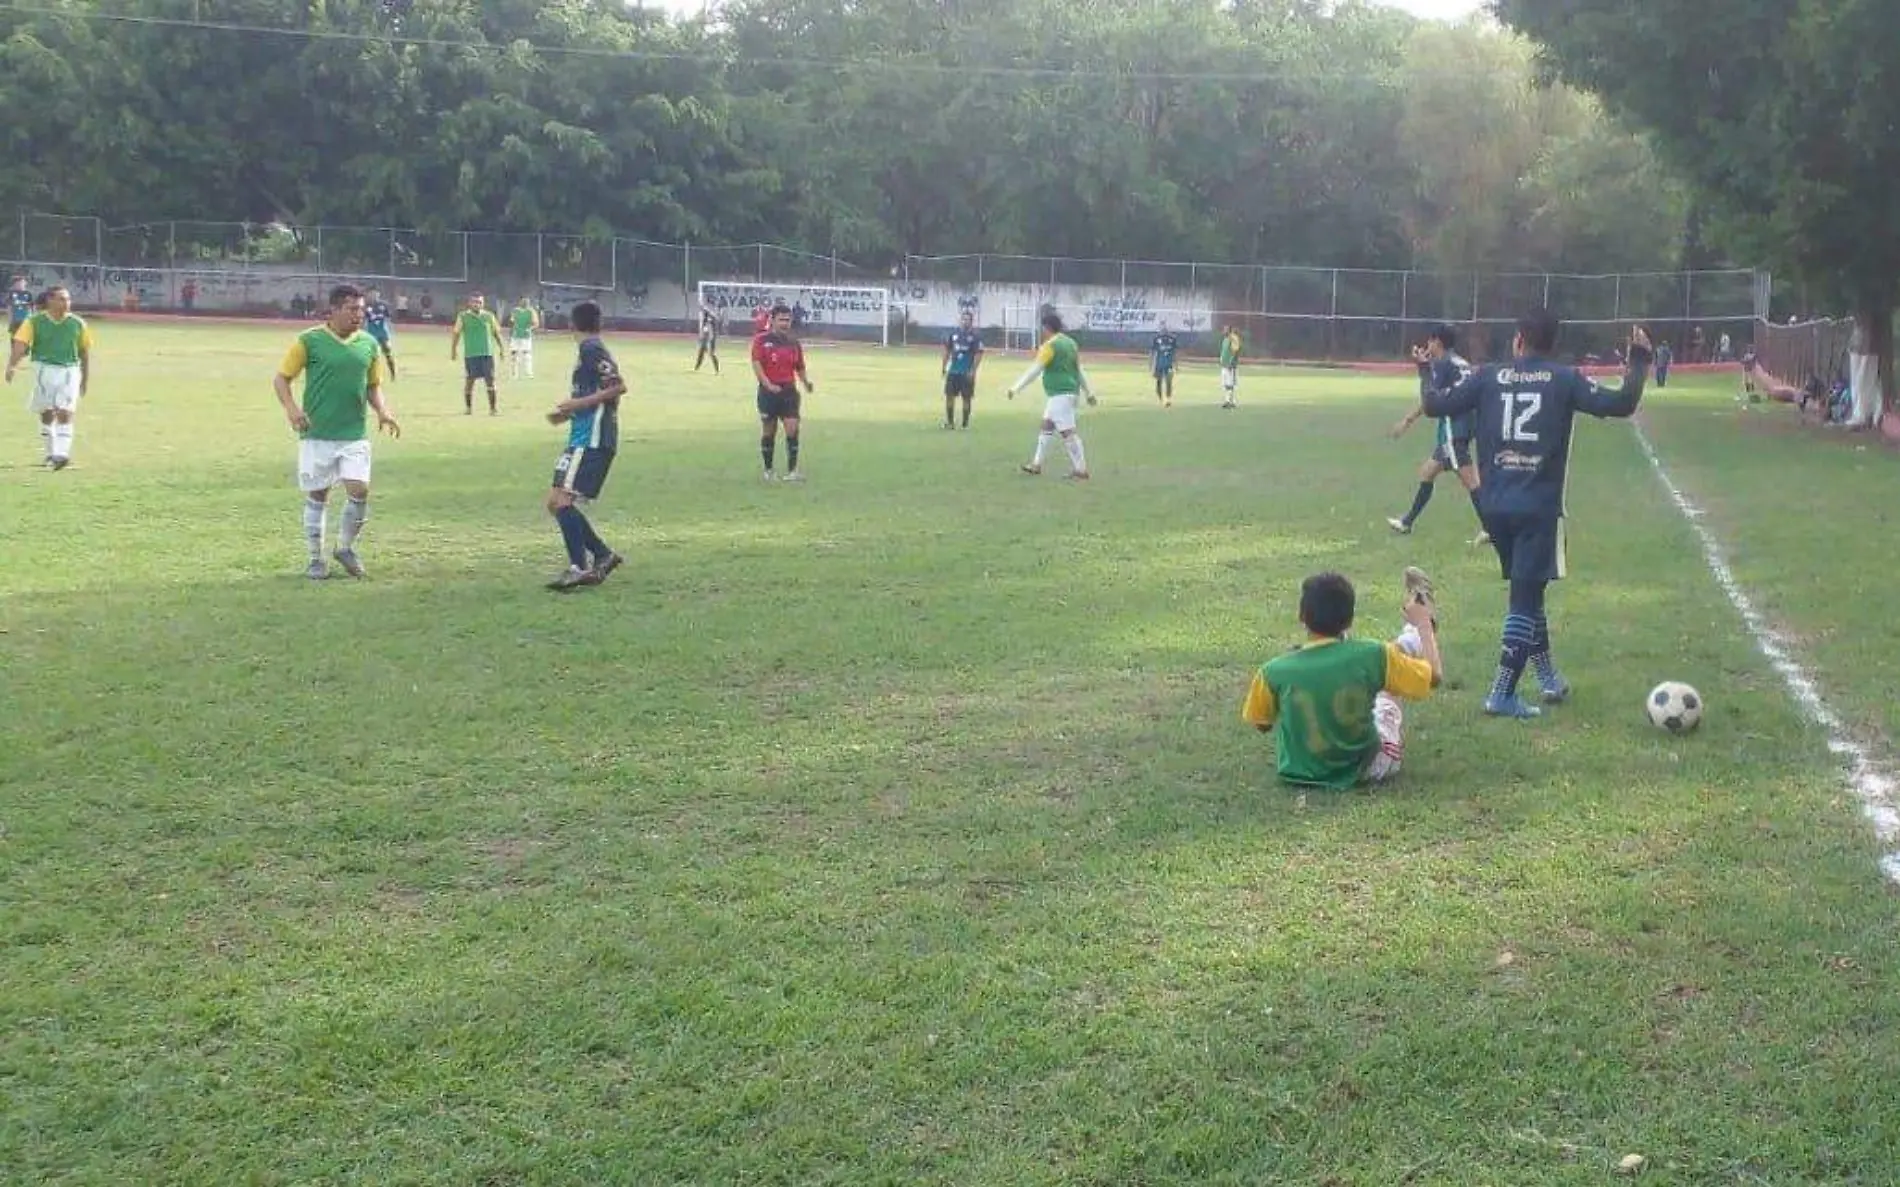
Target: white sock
355, 513
62, 439
1410, 643
1042, 448
1077, 463
313, 517
46, 438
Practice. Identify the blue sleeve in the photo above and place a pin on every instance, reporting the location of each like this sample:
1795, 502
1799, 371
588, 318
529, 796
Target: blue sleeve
1620, 401
1457, 400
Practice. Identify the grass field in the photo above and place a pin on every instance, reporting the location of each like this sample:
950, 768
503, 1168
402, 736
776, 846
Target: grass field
899, 828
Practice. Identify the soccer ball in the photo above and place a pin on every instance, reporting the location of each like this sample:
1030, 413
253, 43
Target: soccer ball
1675, 707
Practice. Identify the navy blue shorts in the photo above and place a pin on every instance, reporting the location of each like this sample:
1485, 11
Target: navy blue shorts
779, 405
959, 385
583, 471
480, 367
1530, 547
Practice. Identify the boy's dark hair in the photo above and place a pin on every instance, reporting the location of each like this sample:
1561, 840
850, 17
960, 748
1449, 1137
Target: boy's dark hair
1445, 336
1052, 322
781, 310
342, 293
1326, 604
1539, 331
586, 317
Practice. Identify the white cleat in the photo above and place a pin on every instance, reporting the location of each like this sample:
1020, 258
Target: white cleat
1399, 526
794, 476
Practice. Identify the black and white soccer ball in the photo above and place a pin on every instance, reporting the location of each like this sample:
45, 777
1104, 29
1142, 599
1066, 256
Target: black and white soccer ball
1675, 707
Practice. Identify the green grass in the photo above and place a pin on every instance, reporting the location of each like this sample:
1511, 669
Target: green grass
900, 828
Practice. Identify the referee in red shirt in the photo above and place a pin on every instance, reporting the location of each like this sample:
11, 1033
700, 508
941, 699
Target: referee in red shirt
779, 362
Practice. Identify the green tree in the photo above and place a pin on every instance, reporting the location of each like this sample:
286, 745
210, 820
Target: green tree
1781, 115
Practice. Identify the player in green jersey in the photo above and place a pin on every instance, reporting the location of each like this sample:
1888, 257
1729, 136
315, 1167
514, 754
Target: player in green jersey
342, 369
1229, 365
1333, 704
523, 320
60, 344
1059, 363
477, 335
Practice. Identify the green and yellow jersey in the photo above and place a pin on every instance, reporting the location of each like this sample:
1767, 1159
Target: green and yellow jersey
1230, 349
55, 341
1320, 700
338, 373
479, 332
523, 322
1061, 363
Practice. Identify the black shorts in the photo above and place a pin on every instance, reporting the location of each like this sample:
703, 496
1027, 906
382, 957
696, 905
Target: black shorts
960, 385
479, 367
1456, 456
780, 405
1530, 547
583, 471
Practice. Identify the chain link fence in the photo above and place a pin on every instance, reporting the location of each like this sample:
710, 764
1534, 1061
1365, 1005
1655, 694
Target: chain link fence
1287, 313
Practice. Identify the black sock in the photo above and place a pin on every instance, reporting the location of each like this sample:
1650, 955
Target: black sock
791, 453
966, 412
949, 410
715, 361
491, 399
1419, 500
574, 531
596, 547
768, 449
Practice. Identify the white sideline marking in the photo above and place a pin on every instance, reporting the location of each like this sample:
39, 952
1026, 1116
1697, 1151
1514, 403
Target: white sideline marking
1871, 784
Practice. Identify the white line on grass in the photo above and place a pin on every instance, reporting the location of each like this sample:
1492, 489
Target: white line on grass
1870, 783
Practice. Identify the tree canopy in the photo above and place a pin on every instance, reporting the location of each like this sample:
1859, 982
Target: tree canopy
1786, 122
1272, 131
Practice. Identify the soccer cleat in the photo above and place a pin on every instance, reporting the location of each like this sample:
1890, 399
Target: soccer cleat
1399, 526
60, 463
1511, 706
574, 579
1481, 539
317, 570
1031, 468
794, 476
347, 558
1227, 404
604, 567
1556, 692
1079, 475
770, 477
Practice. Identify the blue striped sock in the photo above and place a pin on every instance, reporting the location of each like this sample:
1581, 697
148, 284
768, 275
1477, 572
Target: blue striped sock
1520, 630
1540, 652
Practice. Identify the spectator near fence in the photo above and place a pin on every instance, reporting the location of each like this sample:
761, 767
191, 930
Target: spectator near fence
1863, 378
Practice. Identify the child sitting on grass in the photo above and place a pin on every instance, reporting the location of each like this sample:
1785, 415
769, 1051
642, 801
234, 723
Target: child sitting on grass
1333, 703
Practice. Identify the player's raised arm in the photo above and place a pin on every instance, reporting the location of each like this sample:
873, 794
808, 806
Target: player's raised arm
1454, 401
1621, 400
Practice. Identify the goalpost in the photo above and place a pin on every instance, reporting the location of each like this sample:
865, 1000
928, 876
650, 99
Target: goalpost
819, 312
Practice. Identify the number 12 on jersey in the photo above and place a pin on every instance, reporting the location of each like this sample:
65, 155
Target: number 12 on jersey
1520, 409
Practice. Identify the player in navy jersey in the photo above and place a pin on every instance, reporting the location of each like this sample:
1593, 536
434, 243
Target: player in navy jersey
376, 325
1525, 411
19, 305
1161, 354
592, 414
1440, 369
962, 355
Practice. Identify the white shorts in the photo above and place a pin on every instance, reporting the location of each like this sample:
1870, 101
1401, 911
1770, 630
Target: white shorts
1229, 377
1388, 717
54, 388
520, 346
323, 464
1060, 412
